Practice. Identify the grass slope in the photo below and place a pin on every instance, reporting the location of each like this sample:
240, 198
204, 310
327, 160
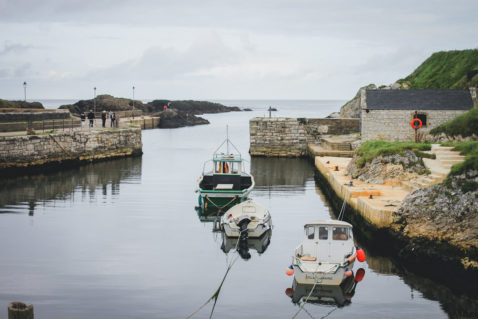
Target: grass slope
369, 150
446, 70
465, 125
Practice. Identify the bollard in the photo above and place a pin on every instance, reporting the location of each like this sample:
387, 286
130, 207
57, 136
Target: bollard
19, 310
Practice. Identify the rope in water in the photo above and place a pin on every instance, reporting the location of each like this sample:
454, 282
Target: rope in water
216, 293
219, 208
342, 210
316, 281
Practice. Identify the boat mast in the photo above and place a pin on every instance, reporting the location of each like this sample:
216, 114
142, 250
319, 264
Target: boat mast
227, 138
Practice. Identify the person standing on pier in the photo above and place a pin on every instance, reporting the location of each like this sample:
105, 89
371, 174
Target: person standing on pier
103, 118
83, 118
113, 118
91, 117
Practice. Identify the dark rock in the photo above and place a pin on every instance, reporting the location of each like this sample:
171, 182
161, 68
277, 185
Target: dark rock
20, 104
334, 115
192, 107
104, 102
447, 212
108, 102
172, 118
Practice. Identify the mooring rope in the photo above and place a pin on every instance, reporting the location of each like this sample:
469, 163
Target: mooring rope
342, 210
219, 208
316, 281
216, 293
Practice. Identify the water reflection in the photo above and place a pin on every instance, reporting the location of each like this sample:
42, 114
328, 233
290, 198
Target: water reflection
339, 296
456, 304
233, 243
27, 192
285, 175
242, 246
210, 216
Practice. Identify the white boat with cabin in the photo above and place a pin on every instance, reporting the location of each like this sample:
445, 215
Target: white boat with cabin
326, 254
249, 216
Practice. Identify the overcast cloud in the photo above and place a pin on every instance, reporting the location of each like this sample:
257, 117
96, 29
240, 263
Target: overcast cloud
187, 49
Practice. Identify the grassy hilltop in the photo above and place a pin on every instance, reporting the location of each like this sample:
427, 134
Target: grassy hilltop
446, 70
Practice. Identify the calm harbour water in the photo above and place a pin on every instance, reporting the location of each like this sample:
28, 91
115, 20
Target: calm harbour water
121, 239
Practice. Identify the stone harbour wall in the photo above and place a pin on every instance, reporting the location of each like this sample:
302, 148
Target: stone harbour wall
394, 125
38, 115
37, 150
289, 137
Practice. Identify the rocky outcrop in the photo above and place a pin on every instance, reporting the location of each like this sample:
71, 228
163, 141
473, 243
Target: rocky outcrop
108, 102
443, 138
172, 118
447, 212
104, 102
351, 109
20, 105
191, 107
394, 168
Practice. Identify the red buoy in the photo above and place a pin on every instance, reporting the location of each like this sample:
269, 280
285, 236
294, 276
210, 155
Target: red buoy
289, 292
360, 274
289, 271
360, 255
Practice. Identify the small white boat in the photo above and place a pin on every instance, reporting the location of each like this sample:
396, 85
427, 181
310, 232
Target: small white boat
248, 216
326, 254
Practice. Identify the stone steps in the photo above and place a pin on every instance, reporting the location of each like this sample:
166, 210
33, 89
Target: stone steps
441, 166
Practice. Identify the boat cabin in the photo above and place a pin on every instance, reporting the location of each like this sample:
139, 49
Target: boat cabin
227, 164
227, 174
326, 241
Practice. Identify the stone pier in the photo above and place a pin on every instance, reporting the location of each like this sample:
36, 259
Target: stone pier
19, 153
289, 137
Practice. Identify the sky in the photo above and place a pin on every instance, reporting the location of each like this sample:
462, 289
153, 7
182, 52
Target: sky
221, 49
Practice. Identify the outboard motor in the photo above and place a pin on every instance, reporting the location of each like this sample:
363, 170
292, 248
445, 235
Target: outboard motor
243, 249
242, 223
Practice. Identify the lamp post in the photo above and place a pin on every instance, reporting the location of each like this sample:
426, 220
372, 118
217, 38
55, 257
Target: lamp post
25, 90
94, 99
133, 102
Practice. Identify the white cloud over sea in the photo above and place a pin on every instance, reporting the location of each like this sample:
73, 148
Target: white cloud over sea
211, 49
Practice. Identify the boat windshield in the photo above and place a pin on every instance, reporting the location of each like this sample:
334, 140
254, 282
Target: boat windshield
340, 233
323, 233
227, 167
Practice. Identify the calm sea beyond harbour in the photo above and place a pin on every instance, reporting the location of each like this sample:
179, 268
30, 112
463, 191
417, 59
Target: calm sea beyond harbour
122, 238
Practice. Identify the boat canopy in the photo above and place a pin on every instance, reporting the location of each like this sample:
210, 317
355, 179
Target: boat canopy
328, 223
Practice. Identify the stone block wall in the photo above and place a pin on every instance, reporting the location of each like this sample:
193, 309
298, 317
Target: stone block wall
64, 124
394, 125
144, 122
34, 116
35, 150
288, 137
334, 126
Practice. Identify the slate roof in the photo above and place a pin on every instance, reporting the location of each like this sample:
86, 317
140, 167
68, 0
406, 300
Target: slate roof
419, 100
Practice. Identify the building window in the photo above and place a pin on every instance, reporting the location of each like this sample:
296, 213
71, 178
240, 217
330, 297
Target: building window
423, 118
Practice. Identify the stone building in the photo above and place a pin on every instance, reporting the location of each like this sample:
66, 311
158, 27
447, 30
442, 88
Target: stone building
387, 114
